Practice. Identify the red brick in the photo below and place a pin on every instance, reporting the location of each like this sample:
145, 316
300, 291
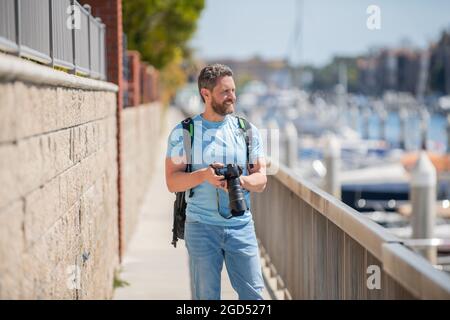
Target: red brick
134, 82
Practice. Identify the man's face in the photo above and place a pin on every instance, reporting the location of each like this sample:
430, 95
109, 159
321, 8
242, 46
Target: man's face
223, 96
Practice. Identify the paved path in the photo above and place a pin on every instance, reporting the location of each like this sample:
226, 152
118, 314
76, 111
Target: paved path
151, 266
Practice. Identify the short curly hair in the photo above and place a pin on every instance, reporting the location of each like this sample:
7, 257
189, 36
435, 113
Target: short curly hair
209, 75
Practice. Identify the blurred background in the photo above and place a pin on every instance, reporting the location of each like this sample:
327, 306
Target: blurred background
351, 97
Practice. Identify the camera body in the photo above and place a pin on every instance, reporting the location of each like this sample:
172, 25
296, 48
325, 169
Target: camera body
236, 194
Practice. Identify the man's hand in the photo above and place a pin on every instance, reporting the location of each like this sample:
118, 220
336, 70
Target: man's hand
256, 180
210, 176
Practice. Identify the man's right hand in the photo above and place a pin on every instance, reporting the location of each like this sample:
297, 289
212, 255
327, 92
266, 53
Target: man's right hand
210, 176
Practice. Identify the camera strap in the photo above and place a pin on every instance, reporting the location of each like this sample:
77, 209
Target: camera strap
188, 142
246, 127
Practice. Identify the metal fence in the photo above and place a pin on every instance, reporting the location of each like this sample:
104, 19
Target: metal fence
59, 33
316, 247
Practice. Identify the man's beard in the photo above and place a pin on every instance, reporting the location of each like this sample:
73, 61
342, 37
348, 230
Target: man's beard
222, 108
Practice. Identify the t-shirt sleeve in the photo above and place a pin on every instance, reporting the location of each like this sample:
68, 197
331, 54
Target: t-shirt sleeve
175, 147
257, 148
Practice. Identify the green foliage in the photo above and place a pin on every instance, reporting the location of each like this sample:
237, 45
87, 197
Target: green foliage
117, 281
160, 29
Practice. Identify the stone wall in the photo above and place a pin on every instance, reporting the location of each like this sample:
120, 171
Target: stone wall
58, 190
141, 131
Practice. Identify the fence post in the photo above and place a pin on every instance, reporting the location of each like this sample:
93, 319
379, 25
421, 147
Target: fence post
89, 9
18, 35
423, 202
74, 62
332, 155
50, 15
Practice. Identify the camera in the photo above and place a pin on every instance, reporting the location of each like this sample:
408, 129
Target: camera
232, 172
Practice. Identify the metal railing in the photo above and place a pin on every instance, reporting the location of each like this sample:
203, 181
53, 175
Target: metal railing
316, 247
59, 33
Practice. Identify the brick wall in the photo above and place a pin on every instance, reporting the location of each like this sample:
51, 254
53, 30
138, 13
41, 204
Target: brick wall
58, 192
134, 85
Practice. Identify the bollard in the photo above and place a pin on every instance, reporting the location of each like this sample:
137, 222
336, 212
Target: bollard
423, 202
332, 155
291, 144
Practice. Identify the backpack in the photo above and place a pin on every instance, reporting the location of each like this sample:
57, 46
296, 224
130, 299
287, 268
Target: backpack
179, 207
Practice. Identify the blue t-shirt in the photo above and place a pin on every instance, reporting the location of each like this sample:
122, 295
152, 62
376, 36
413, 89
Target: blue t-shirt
222, 142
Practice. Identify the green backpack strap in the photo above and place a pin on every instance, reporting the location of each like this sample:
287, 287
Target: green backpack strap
246, 127
188, 142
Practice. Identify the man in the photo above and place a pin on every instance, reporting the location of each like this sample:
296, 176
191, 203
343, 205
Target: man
212, 235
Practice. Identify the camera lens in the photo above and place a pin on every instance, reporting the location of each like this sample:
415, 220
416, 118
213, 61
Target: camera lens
237, 198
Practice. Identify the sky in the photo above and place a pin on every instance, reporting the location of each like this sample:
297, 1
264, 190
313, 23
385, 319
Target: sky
244, 28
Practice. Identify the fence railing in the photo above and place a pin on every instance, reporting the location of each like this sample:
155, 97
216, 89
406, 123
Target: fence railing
59, 33
316, 247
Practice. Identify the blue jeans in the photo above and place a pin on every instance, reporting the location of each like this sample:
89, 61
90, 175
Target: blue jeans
209, 246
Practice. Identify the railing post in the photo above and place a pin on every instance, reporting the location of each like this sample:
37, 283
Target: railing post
102, 51
74, 52
332, 155
89, 9
99, 57
50, 15
18, 35
423, 202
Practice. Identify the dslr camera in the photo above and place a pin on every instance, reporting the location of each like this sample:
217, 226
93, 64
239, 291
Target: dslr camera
236, 194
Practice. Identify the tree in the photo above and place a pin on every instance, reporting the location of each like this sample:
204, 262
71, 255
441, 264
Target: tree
161, 29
